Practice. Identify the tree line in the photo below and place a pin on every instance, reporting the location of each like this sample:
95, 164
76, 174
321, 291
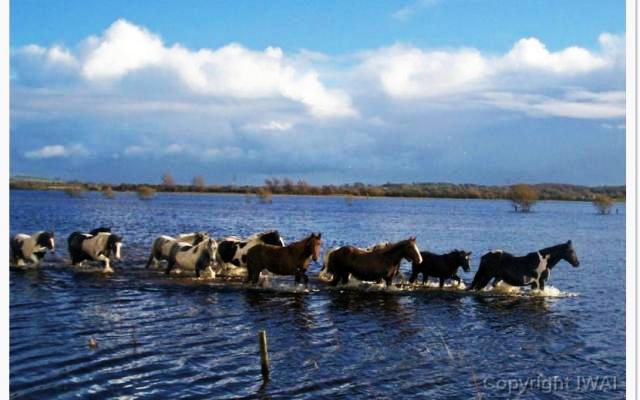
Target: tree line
523, 196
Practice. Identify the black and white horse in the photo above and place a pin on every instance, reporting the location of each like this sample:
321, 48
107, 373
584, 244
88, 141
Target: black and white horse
442, 266
232, 251
98, 247
533, 269
31, 248
161, 248
192, 257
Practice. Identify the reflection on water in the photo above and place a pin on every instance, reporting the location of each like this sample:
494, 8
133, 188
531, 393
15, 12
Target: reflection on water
165, 337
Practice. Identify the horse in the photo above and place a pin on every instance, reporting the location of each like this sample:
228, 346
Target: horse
293, 259
31, 248
325, 276
376, 265
161, 247
193, 257
232, 251
99, 247
442, 266
533, 269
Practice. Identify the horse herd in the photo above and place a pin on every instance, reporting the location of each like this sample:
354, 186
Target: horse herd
198, 251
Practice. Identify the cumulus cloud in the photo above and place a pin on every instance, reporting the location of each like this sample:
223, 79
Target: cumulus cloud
57, 151
232, 71
128, 92
407, 72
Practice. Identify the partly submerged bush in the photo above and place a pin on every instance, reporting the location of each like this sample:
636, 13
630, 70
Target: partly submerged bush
146, 192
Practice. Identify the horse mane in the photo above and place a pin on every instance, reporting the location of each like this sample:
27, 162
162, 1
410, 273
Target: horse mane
391, 246
551, 249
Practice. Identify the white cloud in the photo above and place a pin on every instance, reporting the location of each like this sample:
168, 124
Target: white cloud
574, 104
407, 72
230, 71
272, 125
407, 12
57, 151
531, 53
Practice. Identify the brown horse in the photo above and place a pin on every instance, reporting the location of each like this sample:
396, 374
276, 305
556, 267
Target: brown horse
379, 264
293, 259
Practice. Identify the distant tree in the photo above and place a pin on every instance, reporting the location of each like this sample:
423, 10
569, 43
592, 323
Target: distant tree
287, 185
603, 203
523, 197
167, 180
198, 182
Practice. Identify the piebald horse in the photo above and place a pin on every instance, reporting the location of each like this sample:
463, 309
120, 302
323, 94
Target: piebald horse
192, 257
382, 263
293, 259
162, 245
31, 248
98, 247
533, 269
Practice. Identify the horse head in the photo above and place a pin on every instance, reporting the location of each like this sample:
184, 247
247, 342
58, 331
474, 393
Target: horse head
313, 245
570, 255
199, 237
411, 251
463, 259
114, 243
47, 240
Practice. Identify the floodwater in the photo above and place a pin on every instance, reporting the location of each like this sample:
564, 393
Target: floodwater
177, 337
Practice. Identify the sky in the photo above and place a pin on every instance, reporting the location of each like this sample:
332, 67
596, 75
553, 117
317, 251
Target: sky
487, 92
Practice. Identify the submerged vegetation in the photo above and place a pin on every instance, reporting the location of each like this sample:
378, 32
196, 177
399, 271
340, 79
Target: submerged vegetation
75, 191
523, 197
145, 192
276, 186
603, 204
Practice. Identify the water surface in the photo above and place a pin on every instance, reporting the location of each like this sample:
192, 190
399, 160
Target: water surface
176, 337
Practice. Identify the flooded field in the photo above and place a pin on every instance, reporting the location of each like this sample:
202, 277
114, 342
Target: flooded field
178, 337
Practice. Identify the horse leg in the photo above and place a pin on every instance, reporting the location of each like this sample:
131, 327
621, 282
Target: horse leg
457, 278
388, 280
298, 276
107, 266
441, 283
334, 280
152, 259
305, 279
543, 277
345, 278
170, 266
414, 276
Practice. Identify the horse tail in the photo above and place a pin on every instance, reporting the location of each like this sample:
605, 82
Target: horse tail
486, 271
326, 272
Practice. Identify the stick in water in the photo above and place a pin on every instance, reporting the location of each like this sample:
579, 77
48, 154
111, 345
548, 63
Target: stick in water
264, 355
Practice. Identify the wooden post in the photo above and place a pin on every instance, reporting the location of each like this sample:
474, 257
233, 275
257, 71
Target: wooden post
264, 355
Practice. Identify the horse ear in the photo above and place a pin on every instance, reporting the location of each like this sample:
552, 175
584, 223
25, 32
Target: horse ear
469, 253
319, 235
569, 242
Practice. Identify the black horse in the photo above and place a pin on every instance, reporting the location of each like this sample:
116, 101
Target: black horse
442, 266
533, 269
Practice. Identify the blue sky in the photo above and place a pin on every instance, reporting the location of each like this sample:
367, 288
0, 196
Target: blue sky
490, 92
